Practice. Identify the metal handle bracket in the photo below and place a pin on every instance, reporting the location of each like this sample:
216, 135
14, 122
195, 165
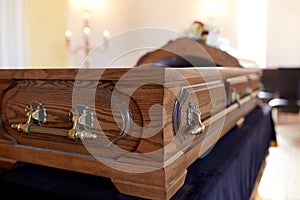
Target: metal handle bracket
81, 119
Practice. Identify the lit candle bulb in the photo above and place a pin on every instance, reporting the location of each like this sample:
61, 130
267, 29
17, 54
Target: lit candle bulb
106, 33
86, 15
68, 35
86, 30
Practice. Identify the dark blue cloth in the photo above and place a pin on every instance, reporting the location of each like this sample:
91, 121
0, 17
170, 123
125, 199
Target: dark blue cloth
229, 171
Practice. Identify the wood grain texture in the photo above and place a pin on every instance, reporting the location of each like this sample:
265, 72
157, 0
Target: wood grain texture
150, 191
146, 96
57, 97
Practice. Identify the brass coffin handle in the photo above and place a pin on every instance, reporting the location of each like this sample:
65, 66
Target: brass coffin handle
248, 90
81, 119
195, 125
35, 113
235, 97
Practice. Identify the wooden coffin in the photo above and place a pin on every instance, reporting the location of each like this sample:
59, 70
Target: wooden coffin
184, 51
141, 127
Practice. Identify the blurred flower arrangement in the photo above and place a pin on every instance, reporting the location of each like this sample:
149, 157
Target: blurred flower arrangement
197, 31
207, 32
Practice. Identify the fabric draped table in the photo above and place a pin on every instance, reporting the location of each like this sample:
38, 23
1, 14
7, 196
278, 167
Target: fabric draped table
228, 171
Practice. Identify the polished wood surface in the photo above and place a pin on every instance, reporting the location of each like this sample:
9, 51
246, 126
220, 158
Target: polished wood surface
189, 48
151, 157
